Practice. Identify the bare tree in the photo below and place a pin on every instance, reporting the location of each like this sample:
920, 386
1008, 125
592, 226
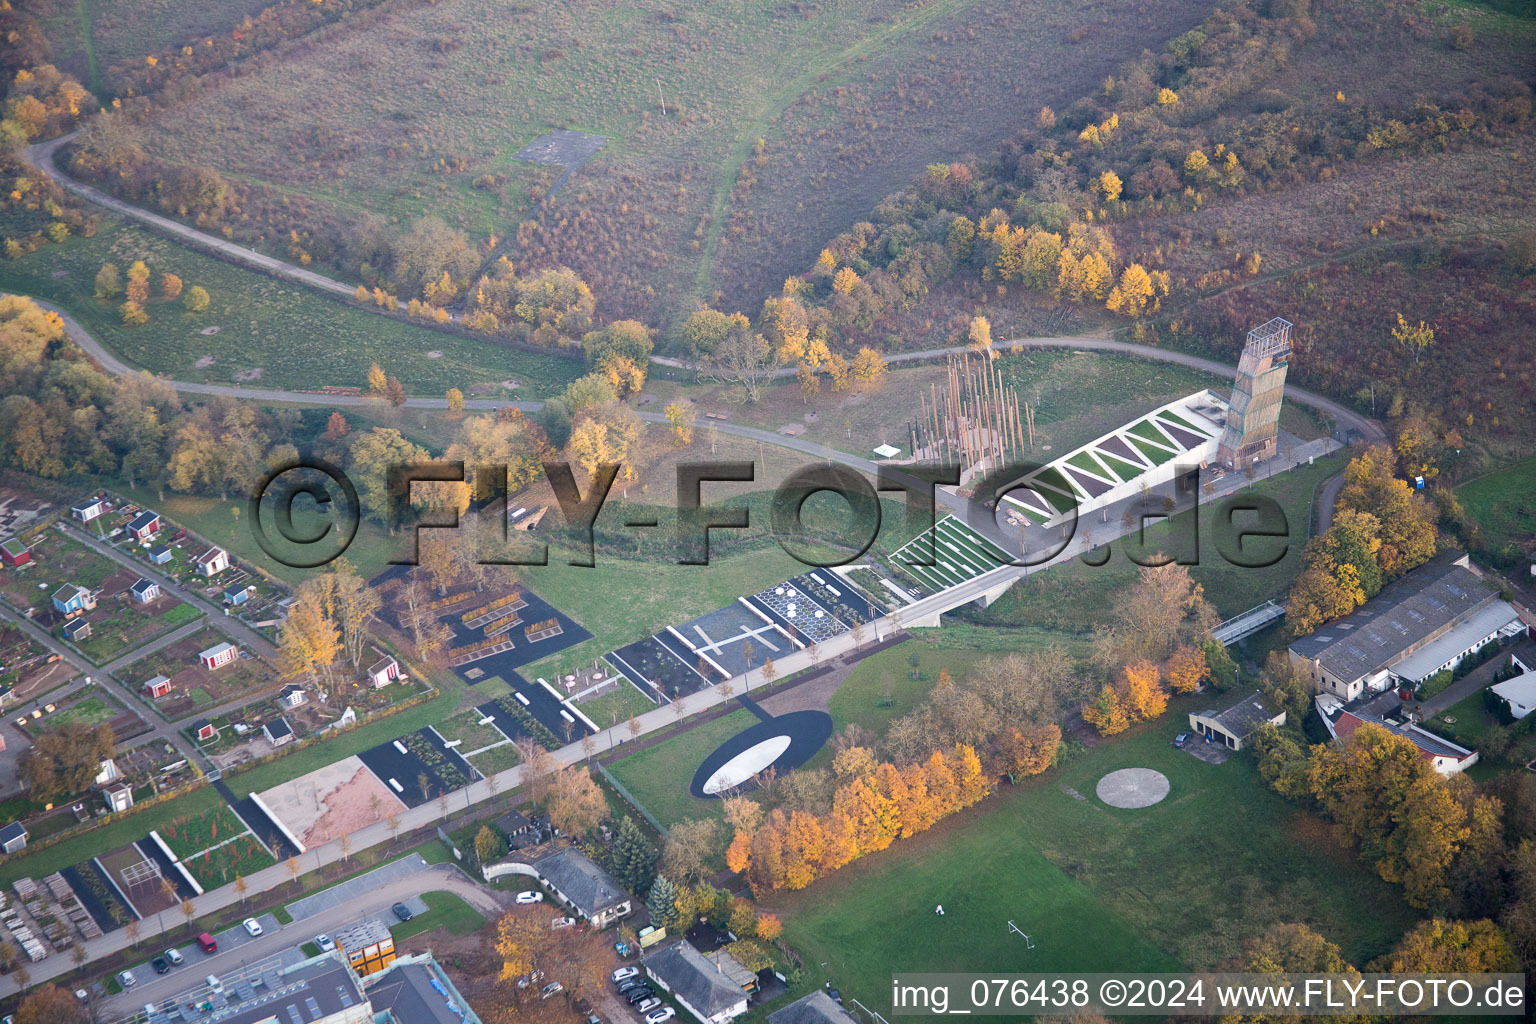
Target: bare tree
746, 359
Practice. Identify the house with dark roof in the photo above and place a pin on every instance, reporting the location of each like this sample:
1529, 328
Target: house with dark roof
237, 594
159, 554
514, 824
816, 1008
1238, 720
1424, 623
204, 729
144, 526
698, 985
90, 508
144, 591
13, 837
119, 796
383, 672
588, 890
278, 732
213, 561
1385, 710
76, 630
292, 695
414, 990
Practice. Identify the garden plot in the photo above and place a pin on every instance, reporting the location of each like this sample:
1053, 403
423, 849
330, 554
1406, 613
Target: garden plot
836, 595
193, 687
958, 552
800, 615
118, 625
28, 668
658, 671
329, 803
138, 873
732, 640
533, 711
495, 631
418, 767
90, 709
215, 846
95, 893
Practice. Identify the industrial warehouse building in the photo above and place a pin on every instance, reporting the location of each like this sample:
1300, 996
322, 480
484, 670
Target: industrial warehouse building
1427, 622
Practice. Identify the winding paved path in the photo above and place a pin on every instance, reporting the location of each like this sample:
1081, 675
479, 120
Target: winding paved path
41, 155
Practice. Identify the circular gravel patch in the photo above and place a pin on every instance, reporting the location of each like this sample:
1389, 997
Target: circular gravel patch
1133, 787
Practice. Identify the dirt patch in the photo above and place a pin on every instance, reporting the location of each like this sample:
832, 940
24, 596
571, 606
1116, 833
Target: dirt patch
59, 275
792, 429
811, 695
210, 330
254, 373
331, 802
436, 353
204, 362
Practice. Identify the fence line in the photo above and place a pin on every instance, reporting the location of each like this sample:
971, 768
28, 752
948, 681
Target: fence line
630, 799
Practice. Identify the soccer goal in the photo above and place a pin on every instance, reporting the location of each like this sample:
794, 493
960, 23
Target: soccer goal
1029, 942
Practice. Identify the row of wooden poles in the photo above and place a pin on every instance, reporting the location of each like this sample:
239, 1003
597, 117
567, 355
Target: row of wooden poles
976, 416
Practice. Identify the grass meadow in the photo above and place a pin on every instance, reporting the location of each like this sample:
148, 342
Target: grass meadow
1503, 503
292, 335
424, 110
1180, 884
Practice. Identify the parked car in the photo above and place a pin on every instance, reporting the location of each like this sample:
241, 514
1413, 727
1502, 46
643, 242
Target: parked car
628, 985
529, 979
175, 957
639, 995
214, 984
324, 942
529, 896
625, 972
647, 1005
402, 911
562, 922
660, 1015
252, 927
207, 944
126, 979
161, 965
552, 988
1183, 740
592, 1018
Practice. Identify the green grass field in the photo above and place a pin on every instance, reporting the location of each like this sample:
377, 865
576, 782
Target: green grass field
616, 705
1182, 883
659, 775
296, 337
126, 829
881, 688
1502, 503
445, 910
639, 598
